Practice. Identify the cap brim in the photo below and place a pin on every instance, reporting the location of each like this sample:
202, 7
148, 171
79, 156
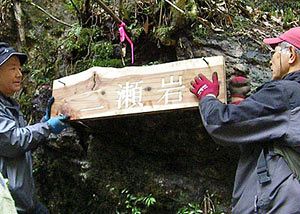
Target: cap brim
272, 41
22, 57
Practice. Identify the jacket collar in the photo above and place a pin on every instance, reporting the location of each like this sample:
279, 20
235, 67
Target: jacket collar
8, 102
294, 76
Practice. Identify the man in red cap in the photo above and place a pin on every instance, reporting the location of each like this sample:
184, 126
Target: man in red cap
265, 126
17, 139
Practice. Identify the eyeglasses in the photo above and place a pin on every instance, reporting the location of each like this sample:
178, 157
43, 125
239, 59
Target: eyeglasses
277, 49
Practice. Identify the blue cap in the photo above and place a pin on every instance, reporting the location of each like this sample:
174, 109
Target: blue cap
6, 52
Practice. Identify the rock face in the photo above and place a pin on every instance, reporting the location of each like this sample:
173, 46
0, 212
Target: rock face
107, 165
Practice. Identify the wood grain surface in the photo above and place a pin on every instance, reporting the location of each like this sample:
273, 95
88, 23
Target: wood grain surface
108, 92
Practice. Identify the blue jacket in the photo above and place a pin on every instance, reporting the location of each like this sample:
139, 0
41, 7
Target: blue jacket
16, 142
272, 114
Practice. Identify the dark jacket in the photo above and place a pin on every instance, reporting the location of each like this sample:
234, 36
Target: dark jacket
270, 115
16, 142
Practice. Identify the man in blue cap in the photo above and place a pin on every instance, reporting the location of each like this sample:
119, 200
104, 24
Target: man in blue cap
265, 126
17, 139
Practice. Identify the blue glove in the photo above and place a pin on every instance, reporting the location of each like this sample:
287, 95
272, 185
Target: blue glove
46, 117
57, 124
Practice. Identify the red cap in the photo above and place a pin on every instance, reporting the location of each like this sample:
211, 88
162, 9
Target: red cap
291, 36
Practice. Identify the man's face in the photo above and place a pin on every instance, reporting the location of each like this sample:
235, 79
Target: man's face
280, 62
10, 76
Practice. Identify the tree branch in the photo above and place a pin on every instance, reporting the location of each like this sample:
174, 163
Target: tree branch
51, 16
79, 15
18, 17
109, 11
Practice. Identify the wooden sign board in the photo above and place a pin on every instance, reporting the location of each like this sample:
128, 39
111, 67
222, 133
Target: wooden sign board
107, 92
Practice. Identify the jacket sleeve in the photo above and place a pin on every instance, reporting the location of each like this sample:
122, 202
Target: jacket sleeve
262, 117
15, 141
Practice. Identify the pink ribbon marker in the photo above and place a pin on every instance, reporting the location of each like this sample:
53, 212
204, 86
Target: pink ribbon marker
124, 36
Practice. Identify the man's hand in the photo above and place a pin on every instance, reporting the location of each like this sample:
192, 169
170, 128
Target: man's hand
48, 110
57, 124
239, 87
201, 87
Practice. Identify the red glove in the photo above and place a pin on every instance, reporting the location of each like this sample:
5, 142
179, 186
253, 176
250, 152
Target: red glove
239, 88
202, 86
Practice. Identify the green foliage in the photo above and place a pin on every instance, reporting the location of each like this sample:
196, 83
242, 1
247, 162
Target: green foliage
41, 67
70, 7
56, 50
97, 54
116, 63
240, 22
102, 50
209, 205
76, 37
192, 10
199, 31
164, 34
82, 65
136, 30
190, 208
289, 16
287, 10
134, 204
267, 5
25, 103
82, 43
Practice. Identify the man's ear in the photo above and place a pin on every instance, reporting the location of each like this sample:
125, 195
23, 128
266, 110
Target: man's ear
293, 55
